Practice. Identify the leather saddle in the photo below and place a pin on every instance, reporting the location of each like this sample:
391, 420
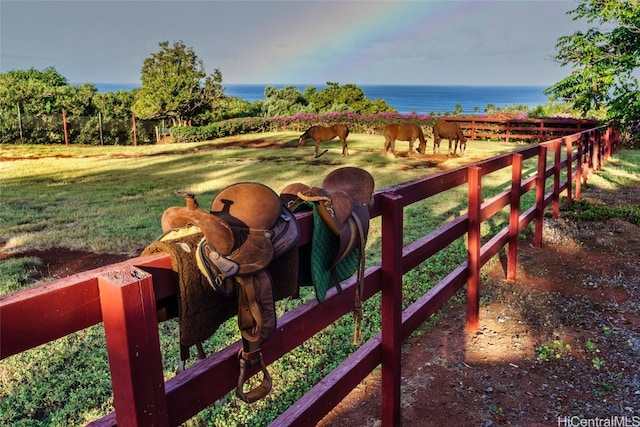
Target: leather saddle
246, 228
341, 203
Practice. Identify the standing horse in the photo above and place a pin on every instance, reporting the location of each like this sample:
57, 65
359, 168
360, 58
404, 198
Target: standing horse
404, 132
321, 133
451, 131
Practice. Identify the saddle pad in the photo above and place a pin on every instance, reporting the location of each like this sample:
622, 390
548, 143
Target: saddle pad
324, 249
200, 310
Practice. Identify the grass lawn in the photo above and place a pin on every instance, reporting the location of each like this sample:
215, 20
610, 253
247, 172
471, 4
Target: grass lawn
110, 199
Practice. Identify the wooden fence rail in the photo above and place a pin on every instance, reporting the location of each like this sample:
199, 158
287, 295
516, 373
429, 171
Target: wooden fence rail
528, 130
123, 296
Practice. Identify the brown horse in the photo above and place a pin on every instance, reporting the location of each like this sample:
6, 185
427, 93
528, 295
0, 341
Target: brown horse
322, 133
404, 132
451, 131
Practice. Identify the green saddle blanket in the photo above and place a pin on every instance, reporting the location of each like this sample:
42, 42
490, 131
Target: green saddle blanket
324, 249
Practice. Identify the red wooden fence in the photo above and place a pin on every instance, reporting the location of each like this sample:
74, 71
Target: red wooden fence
123, 296
528, 130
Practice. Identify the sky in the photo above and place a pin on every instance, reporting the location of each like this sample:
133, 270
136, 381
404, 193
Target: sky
428, 42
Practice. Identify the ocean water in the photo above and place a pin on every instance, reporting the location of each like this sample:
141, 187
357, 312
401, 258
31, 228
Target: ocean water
428, 98
113, 87
407, 99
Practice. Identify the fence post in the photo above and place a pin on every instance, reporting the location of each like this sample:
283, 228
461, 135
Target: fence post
540, 184
135, 130
614, 138
392, 271
130, 322
556, 178
64, 128
579, 166
514, 218
541, 137
588, 151
593, 153
597, 153
473, 248
100, 128
20, 125
507, 131
569, 171
473, 129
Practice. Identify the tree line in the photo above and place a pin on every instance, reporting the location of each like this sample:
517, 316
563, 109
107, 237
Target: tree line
176, 89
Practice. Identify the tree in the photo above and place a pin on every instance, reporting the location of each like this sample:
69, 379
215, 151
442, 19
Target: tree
346, 98
33, 91
604, 60
334, 98
77, 100
114, 104
490, 108
282, 102
33, 100
176, 86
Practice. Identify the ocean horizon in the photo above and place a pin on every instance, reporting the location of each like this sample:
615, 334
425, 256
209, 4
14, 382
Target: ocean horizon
406, 99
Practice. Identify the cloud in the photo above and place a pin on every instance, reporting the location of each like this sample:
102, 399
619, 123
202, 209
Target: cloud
266, 41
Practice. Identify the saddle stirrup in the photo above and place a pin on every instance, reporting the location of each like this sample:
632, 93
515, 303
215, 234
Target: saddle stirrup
247, 360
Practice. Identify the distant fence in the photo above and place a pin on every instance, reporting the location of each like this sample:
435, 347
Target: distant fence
123, 296
529, 130
69, 129
106, 130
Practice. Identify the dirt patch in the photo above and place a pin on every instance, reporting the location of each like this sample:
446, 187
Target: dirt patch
562, 342
61, 262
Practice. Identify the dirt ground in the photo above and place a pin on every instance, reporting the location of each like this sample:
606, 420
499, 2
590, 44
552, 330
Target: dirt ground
558, 346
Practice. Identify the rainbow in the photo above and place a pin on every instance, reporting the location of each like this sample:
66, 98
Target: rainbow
315, 51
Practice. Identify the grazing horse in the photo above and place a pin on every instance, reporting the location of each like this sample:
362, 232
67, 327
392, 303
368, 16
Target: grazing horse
450, 131
321, 133
404, 132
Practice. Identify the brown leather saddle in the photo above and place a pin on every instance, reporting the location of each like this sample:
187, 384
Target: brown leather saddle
245, 247
246, 228
341, 205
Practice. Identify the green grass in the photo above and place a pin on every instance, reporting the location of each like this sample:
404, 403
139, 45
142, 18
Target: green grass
110, 199
17, 273
582, 209
620, 171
